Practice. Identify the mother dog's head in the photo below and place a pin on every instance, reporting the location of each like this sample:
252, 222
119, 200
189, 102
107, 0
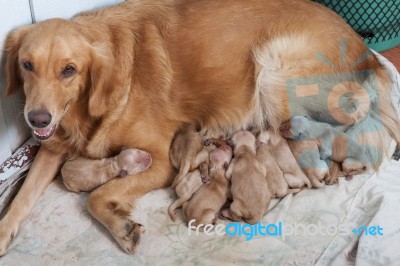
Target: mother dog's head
57, 64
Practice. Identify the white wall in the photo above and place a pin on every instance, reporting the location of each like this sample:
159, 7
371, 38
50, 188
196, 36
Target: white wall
13, 131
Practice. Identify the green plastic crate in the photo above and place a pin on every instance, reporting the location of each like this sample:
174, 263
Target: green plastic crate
377, 21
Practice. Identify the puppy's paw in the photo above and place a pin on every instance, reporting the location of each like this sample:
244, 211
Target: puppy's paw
208, 142
128, 236
349, 177
205, 179
225, 215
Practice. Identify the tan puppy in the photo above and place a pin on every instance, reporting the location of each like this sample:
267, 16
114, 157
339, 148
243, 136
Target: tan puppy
333, 144
184, 190
185, 147
277, 184
284, 158
209, 199
307, 156
85, 174
249, 188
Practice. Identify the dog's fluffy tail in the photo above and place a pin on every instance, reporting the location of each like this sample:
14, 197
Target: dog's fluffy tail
381, 125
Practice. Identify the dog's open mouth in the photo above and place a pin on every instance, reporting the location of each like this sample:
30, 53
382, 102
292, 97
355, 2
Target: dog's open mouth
44, 133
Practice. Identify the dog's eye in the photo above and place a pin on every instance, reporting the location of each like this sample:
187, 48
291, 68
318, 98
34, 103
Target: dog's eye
28, 66
68, 71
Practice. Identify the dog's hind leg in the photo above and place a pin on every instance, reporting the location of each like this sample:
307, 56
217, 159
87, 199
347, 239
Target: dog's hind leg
112, 203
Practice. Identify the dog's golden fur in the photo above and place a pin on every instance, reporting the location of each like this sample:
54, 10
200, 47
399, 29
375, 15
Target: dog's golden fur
146, 67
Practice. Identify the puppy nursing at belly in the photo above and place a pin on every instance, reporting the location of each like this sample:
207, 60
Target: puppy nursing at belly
284, 158
187, 153
249, 187
206, 203
85, 174
277, 184
333, 144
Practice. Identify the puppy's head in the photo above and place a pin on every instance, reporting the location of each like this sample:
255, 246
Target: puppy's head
132, 161
56, 65
295, 128
221, 157
244, 138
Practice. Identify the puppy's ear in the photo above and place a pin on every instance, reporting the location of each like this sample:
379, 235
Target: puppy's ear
11, 48
101, 69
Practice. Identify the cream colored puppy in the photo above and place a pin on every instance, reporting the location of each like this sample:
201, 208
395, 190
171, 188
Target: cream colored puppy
204, 206
277, 184
249, 188
85, 174
333, 144
185, 189
284, 158
185, 152
307, 155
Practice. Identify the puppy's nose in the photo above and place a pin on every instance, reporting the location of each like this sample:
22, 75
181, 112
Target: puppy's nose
39, 119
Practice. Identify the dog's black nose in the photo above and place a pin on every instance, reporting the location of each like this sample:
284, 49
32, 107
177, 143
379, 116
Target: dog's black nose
39, 119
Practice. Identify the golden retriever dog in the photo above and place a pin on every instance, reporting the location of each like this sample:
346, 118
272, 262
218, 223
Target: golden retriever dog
133, 74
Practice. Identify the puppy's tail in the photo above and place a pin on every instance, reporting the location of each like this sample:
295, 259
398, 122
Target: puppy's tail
172, 208
182, 172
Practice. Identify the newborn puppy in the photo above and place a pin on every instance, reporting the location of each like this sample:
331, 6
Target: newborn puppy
284, 158
277, 184
184, 190
307, 155
332, 143
85, 174
249, 188
184, 152
209, 199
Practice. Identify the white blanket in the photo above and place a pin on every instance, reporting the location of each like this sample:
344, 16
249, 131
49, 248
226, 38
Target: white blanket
60, 230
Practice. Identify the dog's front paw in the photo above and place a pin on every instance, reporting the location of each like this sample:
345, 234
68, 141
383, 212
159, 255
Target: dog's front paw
7, 234
128, 236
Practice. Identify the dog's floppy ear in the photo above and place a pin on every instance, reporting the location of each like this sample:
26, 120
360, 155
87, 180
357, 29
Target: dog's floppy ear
11, 49
101, 74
